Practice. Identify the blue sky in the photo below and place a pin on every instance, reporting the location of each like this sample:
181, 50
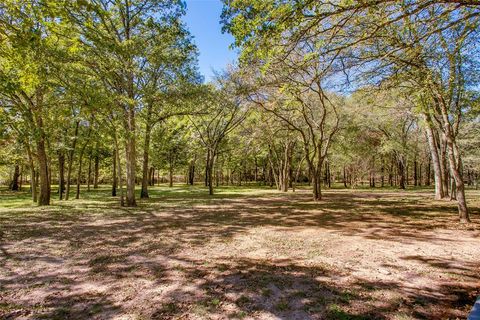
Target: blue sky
203, 21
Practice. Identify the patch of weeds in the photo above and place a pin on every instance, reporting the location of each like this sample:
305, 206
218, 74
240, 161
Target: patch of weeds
282, 305
102, 260
266, 292
242, 301
166, 309
335, 312
300, 294
313, 307
179, 267
96, 308
421, 301
238, 315
210, 304
346, 296
60, 314
402, 316
215, 302
9, 307
200, 310
222, 267
263, 280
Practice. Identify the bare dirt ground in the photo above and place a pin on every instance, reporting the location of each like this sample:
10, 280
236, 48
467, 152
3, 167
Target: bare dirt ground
255, 254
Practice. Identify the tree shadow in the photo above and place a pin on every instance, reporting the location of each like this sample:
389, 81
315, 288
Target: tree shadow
75, 247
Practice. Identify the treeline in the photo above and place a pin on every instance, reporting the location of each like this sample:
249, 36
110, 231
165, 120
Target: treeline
377, 94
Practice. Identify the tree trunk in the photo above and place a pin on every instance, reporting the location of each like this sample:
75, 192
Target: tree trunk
70, 160
401, 172
415, 172
80, 162
443, 165
61, 174
130, 157
119, 171
191, 172
382, 170
170, 175
44, 196
209, 170
114, 174
434, 154
96, 171
33, 174
146, 151
89, 175
16, 175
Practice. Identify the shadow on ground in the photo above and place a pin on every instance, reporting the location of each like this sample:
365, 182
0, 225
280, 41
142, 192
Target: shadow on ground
91, 259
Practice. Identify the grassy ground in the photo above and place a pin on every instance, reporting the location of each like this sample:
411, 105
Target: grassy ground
245, 253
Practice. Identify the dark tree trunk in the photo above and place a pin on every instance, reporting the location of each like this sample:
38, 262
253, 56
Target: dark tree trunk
170, 174
70, 161
114, 174
61, 174
96, 170
146, 152
401, 172
119, 171
16, 175
415, 173
89, 175
130, 156
80, 163
191, 171
151, 177
33, 175
428, 173
44, 196
209, 172
382, 177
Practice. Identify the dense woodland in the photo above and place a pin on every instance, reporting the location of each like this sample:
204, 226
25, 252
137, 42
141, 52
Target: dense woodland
340, 94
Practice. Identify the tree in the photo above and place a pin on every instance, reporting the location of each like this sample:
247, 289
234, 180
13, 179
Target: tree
222, 112
120, 39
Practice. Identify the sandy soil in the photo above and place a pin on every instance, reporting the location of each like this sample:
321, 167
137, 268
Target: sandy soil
354, 255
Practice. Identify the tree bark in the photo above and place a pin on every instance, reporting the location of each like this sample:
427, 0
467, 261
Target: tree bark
70, 160
44, 196
16, 175
146, 152
33, 175
114, 173
434, 154
119, 170
80, 162
401, 172
89, 174
130, 157
61, 175
96, 170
